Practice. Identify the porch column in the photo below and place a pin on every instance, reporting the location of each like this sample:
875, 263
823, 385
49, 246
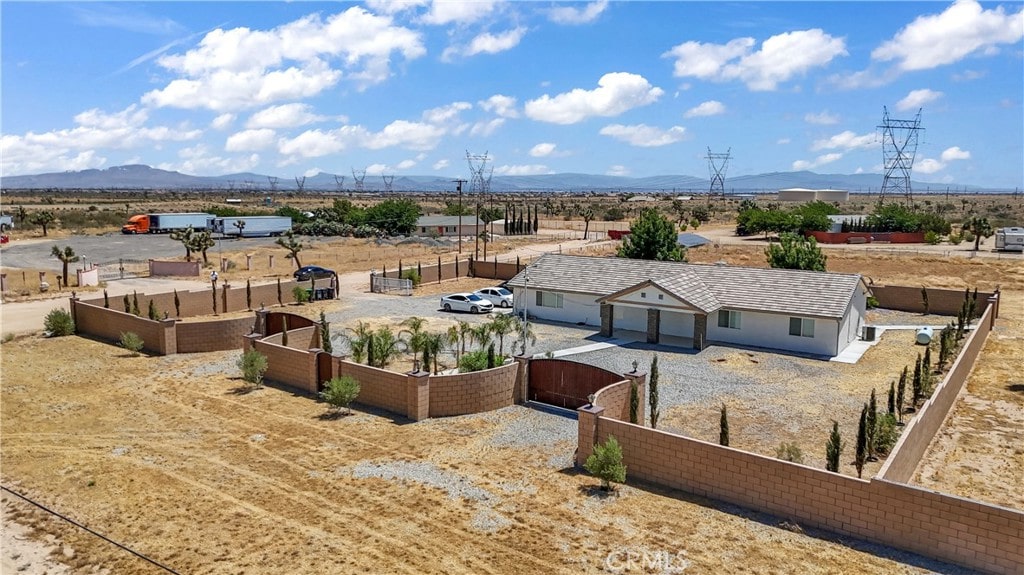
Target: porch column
607, 319
700, 330
653, 325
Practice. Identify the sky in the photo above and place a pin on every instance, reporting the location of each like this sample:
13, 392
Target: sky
637, 89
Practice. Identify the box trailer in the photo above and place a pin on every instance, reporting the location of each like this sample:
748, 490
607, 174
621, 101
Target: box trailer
6, 222
252, 226
1010, 239
166, 223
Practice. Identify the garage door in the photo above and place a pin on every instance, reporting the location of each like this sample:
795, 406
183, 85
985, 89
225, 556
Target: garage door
677, 324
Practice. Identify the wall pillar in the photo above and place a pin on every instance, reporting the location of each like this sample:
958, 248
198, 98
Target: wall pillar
224, 297
168, 337
700, 330
521, 391
417, 395
260, 327
586, 419
607, 320
639, 379
3, 283
249, 341
248, 262
653, 325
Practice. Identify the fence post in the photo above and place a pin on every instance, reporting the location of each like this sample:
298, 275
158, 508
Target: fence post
271, 261
248, 262
438, 269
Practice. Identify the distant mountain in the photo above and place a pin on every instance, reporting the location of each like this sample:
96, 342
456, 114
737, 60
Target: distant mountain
146, 178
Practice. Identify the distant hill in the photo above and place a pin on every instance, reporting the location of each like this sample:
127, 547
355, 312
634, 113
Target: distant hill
147, 178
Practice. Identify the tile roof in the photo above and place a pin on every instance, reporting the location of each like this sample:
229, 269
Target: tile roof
707, 287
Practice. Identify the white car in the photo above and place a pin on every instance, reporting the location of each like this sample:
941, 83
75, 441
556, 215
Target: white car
498, 296
466, 302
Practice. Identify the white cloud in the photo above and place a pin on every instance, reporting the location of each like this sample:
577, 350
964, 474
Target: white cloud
780, 58
250, 140
243, 68
377, 169
709, 108
523, 170
444, 12
782, 141
312, 144
822, 118
284, 116
543, 149
845, 141
488, 43
406, 165
962, 29
504, 106
819, 161
928, 166
616, 93
617, 170
446, 114
441, 164
410, 135
572, 15
969, 75
644, 136
917, 98
394, 6
486, 128
222, 121
955, 153
199, 160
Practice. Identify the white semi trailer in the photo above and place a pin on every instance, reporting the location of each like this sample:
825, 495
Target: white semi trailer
1010, 239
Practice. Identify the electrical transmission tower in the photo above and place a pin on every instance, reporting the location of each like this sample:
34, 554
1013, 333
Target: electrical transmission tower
899, 146
480, 173
300, 183
273, 183
359, 176
717, 165
388, 181
340, 181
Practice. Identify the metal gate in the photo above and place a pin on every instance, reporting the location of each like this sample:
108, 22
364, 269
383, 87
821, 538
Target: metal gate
123, 269
566, 384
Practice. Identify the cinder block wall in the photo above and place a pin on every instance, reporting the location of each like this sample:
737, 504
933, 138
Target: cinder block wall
377, 387
615, 400
215, 335
944, 527
940, 301
108, 324
918, 434
303, 338
199, 303
292, 367
473, 392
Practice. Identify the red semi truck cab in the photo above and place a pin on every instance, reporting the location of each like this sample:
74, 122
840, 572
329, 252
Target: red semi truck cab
136, 225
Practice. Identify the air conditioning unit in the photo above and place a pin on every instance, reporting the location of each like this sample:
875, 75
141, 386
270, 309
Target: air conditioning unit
868, 333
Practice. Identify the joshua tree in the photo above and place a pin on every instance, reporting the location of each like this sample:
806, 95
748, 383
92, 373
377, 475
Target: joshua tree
66, 256
43, 220
185, 237
293, 246
588, 215
202, 241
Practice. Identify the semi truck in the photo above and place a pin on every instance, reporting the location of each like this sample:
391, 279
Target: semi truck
1010, 239
166, 223
252, 226
6, 222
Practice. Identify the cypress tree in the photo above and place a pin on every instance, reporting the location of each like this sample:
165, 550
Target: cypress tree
213, 294
862, 441
153, 313
652, 393
723, 427
135, 304
943, 347
127, 304
248, 295
974, 303
916, 387
280, 300
491, 359
833, 449
892, 398
177, 305
284, 331
634, 403
536, 220
927, 365
426, 359
901, 394
924, 299
325, 334
106, 300
871, 423
371, 340
506, 219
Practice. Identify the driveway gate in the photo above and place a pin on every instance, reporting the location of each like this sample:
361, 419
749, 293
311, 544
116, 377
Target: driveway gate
566, 384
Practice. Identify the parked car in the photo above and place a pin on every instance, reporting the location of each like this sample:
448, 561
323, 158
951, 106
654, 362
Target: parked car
498, 296
466, 302
305, 272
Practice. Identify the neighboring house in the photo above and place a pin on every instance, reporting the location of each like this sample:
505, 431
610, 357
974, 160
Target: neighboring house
688, 240
805, 195
447, 226
816, 313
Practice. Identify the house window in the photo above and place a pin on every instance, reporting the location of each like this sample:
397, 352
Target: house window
643, 295
801, 327
549, 299
729, 319
661, 296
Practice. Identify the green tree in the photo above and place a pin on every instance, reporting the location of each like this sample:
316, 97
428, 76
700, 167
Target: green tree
924, 299
833, 449
917, 387
325, 334
202, 241
606, 463
135, 304
58, 322
652, 393
132, 342
359, 340
977, 225
433, 345
892, 399
634, 403
294, 246
723, 427
340, 392
153, 313
794, 252
502, 324
901, 394
871, 422
177, 304
66, 256
127, 304
862, 441
45, 218
652, 237
253, 365
248, 295
185, 237
588, 215
394, 217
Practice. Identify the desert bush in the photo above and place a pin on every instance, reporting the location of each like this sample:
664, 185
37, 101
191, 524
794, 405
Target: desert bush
872, 302
340, 392
886, 434
955, 239
253, 365
968, 236
300, 294
931, 238
412, 275
132, 342
477, 361
789, 452
606, 463
59, 323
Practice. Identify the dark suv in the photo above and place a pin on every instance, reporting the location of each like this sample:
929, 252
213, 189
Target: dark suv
306, 272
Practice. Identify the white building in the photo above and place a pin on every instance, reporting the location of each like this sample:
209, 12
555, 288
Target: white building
448, 226
816, 313
805, 195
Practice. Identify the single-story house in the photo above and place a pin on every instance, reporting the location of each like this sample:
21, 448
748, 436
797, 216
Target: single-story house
806, 195
818, 313
688, 240
448, 226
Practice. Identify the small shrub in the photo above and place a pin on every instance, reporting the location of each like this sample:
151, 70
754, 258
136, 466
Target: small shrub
340, 392
132, 342
931, 238
955, 239
300, 294
253, 365
886, 434
8, 338
477, 361
412, 275
59, 323
789, 452
606, 463
872, 302
968, 236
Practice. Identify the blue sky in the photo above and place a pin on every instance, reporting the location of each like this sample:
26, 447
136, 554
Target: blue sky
406, 88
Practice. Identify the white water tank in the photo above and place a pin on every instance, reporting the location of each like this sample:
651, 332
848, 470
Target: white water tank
924, 335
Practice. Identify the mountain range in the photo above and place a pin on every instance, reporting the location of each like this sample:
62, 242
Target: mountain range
142, 177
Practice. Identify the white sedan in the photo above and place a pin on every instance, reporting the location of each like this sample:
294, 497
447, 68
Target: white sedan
498, 296
466, 302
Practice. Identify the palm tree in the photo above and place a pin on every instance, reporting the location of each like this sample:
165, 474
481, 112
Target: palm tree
465, 334
358, 340
501, 325
415, 333
523, 335
451, 337
481, 334
386, 346
66, 256
433, 344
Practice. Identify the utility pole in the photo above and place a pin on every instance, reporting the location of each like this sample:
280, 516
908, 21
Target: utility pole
458, 186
